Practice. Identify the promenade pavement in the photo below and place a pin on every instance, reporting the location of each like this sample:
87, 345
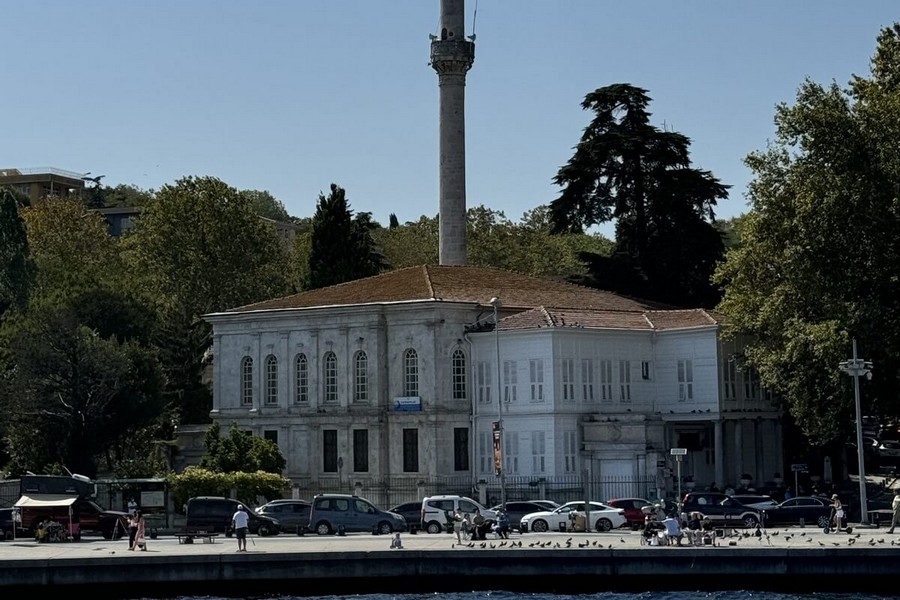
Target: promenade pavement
95, 547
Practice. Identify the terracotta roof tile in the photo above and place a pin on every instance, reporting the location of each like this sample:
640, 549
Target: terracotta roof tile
543, 317
457, 284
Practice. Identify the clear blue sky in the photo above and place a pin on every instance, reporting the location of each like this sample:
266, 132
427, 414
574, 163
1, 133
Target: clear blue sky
291, 95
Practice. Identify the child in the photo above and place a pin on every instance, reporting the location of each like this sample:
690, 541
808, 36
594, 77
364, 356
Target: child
395, 543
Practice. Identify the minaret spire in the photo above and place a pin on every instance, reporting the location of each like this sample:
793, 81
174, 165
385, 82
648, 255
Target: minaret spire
452, 56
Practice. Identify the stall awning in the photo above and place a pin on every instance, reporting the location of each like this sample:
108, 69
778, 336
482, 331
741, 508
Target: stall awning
45, 500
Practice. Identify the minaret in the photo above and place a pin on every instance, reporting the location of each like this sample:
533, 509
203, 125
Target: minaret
452, 56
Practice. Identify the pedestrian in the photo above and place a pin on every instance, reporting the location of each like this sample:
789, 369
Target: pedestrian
240, 521
895, 508
457, 526
396, 542
139, 534
132, 506
838, 511
132, 529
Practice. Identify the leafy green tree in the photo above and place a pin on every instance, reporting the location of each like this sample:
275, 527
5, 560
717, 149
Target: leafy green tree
627, 170
342, 246
124, 195
16, 266
819, 258
240, 452
267, 205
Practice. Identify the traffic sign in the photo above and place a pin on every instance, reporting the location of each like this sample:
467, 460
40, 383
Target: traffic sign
799, 468
678, 451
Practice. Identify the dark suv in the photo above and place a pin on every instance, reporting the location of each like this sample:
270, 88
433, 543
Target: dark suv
292, 515
721, 509
213, 514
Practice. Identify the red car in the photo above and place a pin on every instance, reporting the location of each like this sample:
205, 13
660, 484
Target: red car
632, 508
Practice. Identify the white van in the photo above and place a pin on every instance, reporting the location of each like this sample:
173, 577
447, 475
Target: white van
435, 509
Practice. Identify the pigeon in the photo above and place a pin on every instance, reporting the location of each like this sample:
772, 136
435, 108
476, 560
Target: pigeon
609, 547
503, 543
471, 544
821, 544
622, 540
483, 544
491, 545
587, 543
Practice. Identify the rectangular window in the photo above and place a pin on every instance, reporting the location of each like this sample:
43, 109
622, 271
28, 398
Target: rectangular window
538, 452
361, 450
410, 450
570, 445
459, 376
568, 379
751, 384
606, 385
485, 452
271, 435
460, 448
685, 380
329, 451
510, 377
729, 379
511, 451
361, 378
587, 380
536, 373
483, 381
645, 370
624, 381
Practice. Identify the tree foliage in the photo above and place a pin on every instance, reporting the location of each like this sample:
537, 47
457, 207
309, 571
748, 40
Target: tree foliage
247, 487
240, 451
627, 170
16, 266
819, 258
342, 246
267, 205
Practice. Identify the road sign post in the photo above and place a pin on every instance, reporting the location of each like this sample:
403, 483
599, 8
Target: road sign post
679, 454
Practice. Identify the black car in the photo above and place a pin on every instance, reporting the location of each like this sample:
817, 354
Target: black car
516, 510
802, 510
292, 515
213, 514
721, 509
412, 512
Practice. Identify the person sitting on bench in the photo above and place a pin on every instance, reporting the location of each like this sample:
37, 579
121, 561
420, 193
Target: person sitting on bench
673, 529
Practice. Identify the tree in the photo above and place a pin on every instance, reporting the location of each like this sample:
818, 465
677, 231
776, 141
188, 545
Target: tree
240, 452
266, 205
819, 257
343, 248
16, 266
627, 170
124, 195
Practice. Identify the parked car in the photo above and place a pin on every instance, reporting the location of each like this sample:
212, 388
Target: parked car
605, 518
802, 510
213, 514
435, 509
292, 515
721, 509
516, 510
411, 513
632, 507
889, 451
331, 513
760, 501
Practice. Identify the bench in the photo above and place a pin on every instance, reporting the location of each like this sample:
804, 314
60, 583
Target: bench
188, 537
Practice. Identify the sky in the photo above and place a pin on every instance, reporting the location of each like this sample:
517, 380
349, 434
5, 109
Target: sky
290, 96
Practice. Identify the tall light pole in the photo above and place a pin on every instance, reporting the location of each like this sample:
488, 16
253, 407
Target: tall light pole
856, 368
495, 302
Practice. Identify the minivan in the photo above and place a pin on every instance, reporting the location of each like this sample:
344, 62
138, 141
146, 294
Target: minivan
435, 509
213, 514
331, 513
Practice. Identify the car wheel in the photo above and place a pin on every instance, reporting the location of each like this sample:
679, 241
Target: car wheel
265, 530
323, 528
823, 522
750, 521
604, 525
434, 527
385, 528
539, 526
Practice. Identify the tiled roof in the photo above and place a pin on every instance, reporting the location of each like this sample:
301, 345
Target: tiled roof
651, 320
457, 284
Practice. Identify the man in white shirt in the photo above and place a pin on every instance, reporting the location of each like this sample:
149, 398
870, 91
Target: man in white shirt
240, 521
673, 529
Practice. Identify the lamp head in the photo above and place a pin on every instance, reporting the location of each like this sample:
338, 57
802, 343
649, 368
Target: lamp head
495, 302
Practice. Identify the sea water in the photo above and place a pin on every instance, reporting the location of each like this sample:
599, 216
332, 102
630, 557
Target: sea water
681, 595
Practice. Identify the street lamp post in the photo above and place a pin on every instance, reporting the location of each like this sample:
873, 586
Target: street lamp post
856, 368
495, 302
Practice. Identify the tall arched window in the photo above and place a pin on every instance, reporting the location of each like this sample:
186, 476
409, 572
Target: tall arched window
410, 373
302, 367
460, 390
271, 380
329, 372
360, 377
246, 381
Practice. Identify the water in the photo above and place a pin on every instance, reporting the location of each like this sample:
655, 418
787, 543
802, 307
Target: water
722, 595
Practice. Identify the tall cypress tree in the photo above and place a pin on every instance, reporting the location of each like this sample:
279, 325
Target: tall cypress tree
16, 268
342, 246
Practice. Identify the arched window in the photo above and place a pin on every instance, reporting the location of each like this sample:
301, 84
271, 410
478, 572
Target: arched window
460, 389
271, 380
246, 381
410, 373
302, 367
360, 377
329, 372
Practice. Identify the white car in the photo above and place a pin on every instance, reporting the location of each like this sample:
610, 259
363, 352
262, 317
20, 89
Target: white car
604, 518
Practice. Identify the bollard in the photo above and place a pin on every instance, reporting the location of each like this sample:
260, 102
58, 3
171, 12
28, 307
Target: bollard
341, 530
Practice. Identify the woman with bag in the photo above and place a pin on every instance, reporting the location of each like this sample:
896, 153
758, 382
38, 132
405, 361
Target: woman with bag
139, 540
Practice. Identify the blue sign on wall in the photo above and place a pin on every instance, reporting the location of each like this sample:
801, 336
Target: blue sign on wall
408, 404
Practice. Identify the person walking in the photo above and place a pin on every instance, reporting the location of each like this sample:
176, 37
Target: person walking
895, 508
140, 531
240, 522
457, 526
132, 529
838, 511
